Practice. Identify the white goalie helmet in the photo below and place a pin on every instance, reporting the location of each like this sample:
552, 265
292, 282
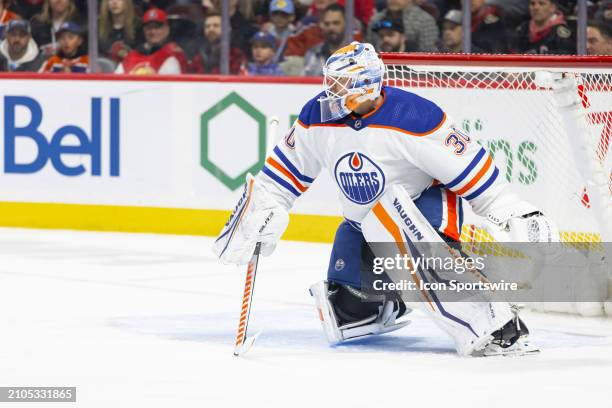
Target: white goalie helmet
352, 75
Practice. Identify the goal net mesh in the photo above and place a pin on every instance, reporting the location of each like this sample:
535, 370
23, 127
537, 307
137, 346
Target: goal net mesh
564, 169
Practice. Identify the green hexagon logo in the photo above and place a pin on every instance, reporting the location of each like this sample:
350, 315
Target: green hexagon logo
232, 140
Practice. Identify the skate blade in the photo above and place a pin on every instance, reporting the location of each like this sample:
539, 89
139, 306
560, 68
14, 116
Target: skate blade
517, 350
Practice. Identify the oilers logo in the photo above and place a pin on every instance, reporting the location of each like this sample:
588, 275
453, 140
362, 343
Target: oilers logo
359, 178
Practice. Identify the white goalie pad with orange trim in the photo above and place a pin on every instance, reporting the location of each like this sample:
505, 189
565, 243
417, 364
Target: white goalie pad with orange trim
394, 227
258, 217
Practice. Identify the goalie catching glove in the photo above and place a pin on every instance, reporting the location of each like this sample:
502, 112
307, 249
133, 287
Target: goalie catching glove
522, 222
258, 217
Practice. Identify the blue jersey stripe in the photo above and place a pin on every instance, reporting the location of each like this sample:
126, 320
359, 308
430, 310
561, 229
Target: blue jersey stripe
280, 181
291, 167
484, 186
467, 170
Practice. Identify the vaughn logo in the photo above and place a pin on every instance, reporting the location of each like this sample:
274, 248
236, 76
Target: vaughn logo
359, 178
400, 210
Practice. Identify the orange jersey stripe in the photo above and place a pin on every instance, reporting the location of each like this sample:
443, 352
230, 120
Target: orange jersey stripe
477, 177
286, 172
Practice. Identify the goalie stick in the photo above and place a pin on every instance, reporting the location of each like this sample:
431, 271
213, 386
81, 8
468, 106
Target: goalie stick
244, 343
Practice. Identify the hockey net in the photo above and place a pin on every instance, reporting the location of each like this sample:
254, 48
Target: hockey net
547, 121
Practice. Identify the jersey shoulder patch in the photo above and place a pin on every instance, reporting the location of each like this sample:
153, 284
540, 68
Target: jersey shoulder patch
491, 19
563, 31
409, 113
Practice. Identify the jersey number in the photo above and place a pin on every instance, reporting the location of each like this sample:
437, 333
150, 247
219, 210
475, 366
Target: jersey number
458, 140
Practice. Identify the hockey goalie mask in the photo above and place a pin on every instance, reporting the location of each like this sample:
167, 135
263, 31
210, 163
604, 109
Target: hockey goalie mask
353, 75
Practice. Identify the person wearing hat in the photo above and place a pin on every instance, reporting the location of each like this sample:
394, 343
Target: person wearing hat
6, 16
157, 55
263, 48
18, 50
420, 27
45, 24
546, 32
488, 30
282, 15
391, 37
451, 40
71, 55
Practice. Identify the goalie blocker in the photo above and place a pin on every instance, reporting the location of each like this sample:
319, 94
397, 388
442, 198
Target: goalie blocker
258, 217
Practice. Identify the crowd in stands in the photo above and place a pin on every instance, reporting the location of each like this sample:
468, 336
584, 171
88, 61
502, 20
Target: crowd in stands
279, 37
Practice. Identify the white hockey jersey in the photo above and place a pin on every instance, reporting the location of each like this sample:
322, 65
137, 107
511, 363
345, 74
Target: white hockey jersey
408, 140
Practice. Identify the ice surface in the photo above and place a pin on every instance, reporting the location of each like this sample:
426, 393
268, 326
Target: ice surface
136, 320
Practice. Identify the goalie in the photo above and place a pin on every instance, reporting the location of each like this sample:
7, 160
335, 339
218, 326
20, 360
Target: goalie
380, 143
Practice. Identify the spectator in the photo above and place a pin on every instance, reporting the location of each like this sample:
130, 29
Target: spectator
332, 24
282, 14
391, 36
452, 34
241, 12
71, 55
119, 29
420, 28
599, 38
6, 15
18, 51
308, 32
263, 48
364, 9
45, 24
185, 27
28, 8
312, 34
604, 11
208, 58
546, 32
514, 12
315, 9
158, 55
488, 31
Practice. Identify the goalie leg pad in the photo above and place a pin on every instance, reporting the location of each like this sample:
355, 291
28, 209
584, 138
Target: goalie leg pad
396, 220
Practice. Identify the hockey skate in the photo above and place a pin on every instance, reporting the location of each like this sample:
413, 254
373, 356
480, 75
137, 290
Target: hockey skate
347, 313
510, 340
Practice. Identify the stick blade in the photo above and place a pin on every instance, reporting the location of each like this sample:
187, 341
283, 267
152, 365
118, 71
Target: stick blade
246, 346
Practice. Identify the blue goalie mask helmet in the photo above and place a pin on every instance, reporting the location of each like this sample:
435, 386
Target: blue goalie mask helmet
352, 75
